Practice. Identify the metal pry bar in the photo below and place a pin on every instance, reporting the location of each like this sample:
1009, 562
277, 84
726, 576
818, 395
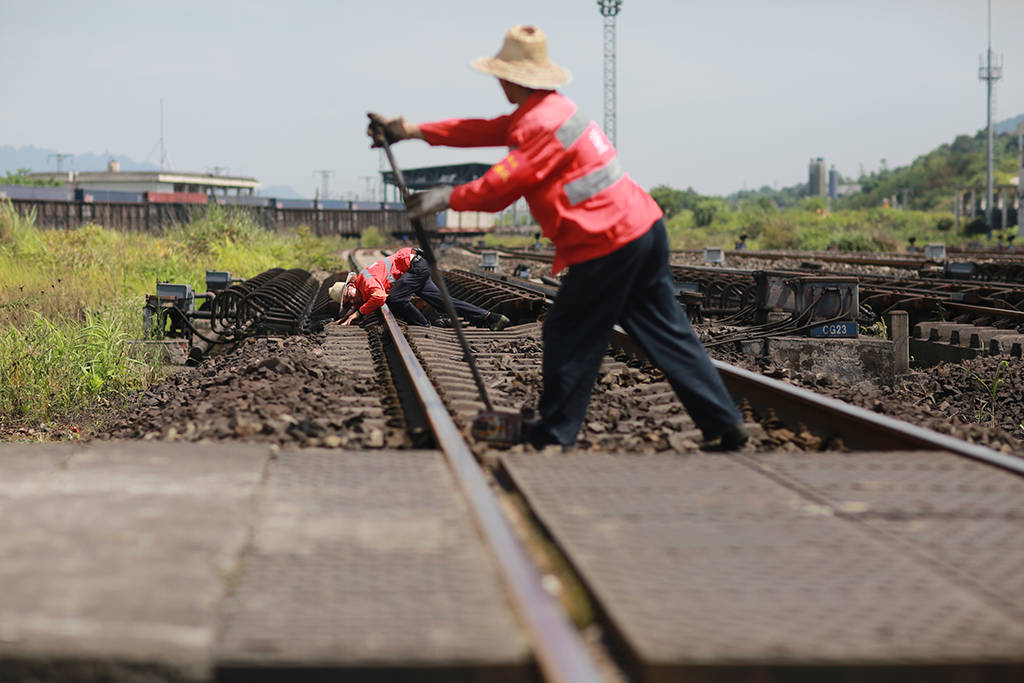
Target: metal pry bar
428, 253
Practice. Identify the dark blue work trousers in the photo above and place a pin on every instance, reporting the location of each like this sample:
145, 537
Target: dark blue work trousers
633, 287
417, 281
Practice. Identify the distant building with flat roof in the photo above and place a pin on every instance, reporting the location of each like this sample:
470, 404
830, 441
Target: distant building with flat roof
153, 181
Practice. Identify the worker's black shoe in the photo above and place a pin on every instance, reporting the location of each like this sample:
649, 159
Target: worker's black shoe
540, 437
495, 321
731, 439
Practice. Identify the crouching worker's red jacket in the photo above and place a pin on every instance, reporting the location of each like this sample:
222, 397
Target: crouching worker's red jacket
375, 282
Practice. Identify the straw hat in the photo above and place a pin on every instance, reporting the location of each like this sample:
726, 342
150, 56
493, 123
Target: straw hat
523, 59
337, 290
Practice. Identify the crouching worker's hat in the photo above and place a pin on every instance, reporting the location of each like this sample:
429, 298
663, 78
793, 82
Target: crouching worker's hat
336, 291
523, 59
343, 293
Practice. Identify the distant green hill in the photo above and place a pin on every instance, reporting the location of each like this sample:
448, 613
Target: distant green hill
1009, 125
929, 180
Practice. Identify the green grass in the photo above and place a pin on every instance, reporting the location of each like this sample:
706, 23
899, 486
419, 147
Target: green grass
52, 369
513, 241
810, 226
69, 299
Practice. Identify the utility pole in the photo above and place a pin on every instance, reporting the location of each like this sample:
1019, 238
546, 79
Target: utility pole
990, 73
609, 10
60, 160
382, 165
325, 174
1020, 183
165, 162
369, 180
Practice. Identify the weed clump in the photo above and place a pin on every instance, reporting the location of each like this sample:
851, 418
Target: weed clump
14, 227
51, 368
70, 300
216, 227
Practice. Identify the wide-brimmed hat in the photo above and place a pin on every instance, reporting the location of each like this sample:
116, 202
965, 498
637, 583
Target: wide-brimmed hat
337, 290
523, 59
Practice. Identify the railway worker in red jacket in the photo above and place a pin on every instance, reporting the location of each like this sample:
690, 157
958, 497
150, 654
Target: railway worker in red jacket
393, 280
605, 228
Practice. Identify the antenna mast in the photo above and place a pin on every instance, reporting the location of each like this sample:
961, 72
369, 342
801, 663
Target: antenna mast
990, 73
163, 150
609, 10
60, 160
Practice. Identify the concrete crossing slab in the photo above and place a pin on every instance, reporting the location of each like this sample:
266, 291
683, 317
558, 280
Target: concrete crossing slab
368, 563
710, 567
157, 561
114, 555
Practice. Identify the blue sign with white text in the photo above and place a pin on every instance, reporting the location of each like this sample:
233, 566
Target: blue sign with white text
846, 329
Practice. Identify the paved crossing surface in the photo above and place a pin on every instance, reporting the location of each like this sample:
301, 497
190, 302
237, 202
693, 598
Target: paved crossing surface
164, 561
718, 567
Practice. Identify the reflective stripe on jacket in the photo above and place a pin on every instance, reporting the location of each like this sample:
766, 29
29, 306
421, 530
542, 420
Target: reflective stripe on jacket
374, 282
566, 168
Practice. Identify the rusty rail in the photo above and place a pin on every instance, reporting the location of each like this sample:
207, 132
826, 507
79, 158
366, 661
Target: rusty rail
561, 654
857, 427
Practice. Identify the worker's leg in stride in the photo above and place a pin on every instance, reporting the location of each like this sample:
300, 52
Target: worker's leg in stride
411, 282
576, 331
656, 321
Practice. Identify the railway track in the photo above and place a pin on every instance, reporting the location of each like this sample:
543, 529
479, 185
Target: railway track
510, 359
633, 412
314, 506
951, 318
996, 266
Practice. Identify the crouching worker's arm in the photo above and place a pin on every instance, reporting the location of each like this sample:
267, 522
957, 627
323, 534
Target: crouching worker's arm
351, 298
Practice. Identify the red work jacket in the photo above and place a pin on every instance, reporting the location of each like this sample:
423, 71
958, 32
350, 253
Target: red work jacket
375, 282
566, 168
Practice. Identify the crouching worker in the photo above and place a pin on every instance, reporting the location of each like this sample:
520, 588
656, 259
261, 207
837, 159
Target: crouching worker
393, 280
605, 228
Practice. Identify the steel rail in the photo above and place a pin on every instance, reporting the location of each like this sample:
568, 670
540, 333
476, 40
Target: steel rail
428, 254
561, 654
859, 428
925, 285
893, 262
985, 310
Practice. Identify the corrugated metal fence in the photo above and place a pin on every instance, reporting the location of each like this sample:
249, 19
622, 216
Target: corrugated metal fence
156, 217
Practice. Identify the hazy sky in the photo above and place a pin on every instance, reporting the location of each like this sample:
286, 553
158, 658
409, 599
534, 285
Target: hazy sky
714, 95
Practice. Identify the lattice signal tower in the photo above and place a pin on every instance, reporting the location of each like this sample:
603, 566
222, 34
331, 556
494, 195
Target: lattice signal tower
990, 73
325, 174
609, 10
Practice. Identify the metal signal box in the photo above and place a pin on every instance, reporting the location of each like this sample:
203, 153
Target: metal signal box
714, 255
959, 270
489, 261
166, 313
182, 295
834, 302
775, 294
217, 280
